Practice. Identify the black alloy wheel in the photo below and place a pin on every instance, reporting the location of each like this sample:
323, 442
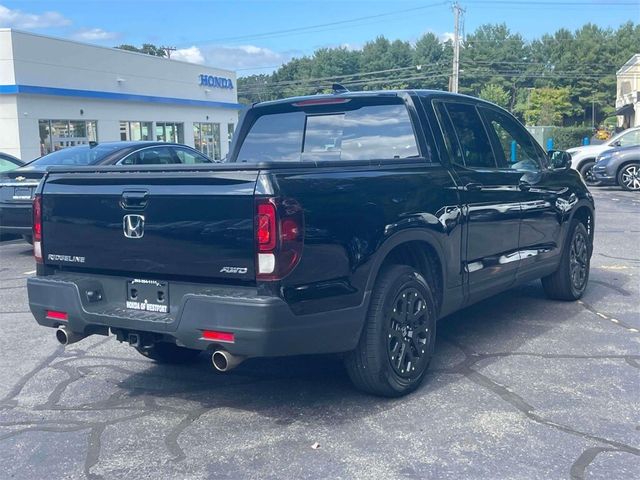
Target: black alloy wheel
579, 260
569, 281
409, 333
398, 338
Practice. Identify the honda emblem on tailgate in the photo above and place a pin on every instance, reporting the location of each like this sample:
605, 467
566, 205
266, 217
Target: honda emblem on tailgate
133, 226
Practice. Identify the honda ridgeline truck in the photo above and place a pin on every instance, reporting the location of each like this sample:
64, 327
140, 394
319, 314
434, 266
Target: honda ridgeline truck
346, 223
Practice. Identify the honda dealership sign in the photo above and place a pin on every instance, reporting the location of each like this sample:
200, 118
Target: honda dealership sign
216, 82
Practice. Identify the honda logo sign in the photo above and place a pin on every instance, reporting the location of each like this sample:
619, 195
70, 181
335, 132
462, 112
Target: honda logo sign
133, 226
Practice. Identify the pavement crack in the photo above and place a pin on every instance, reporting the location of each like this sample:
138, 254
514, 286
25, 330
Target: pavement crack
171, 440
579, 467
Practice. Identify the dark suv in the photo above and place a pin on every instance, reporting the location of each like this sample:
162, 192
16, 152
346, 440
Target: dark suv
346, 223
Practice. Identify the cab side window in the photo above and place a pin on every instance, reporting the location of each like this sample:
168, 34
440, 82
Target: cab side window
514, 147
471, 134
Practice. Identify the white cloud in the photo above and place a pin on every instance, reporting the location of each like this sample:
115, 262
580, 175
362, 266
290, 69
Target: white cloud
244, 57
446, 36
191, 54
93, 35
19, 19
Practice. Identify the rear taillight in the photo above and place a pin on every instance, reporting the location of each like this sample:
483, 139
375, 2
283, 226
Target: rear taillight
37, 228
279, 237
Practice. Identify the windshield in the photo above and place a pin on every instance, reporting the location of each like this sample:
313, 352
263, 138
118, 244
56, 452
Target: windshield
82, 155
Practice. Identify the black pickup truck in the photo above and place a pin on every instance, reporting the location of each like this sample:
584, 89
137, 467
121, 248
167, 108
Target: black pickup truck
345, 223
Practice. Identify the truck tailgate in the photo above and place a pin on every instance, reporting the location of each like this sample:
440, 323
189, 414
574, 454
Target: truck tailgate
195, 223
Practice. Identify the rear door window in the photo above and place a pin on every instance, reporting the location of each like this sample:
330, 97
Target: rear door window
189, 157
151, 156
366, 133
474, 142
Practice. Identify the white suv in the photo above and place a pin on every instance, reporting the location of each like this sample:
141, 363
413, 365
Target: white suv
584, 158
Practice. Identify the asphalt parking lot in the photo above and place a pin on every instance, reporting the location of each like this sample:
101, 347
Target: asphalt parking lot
521, 388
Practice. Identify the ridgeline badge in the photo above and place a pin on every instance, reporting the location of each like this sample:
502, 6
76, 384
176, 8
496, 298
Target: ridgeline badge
215, 82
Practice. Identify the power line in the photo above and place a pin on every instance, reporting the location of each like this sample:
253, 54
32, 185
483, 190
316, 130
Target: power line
319, 26
342, 78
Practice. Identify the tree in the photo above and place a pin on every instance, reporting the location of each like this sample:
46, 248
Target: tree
147, 48
548, 106
493, 54
494, 60
496, 94
431, 56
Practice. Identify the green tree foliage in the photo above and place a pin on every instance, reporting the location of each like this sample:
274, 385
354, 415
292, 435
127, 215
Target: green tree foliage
496, 94
147, 48
494, 61
548, 106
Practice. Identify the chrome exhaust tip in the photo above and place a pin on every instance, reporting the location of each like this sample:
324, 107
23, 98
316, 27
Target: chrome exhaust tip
224, 361
67, 337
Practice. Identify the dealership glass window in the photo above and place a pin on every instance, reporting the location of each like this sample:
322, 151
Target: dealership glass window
170, 132
58, 134
136, 131
230, 129
206, 138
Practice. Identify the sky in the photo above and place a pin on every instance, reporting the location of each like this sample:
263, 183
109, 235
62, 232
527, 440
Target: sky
257, 36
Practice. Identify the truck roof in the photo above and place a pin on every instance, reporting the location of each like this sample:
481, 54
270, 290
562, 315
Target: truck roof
364, 94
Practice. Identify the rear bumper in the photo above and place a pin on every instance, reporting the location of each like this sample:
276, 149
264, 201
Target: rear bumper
15, 218
262, 326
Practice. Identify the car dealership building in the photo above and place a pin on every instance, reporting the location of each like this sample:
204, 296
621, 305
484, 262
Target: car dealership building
58, 93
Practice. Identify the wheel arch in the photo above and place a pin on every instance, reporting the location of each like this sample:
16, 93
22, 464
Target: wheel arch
417, 248
586, 215
624, 163
584, 161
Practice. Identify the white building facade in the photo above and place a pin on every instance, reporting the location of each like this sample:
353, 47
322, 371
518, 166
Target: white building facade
628, 93
58, 93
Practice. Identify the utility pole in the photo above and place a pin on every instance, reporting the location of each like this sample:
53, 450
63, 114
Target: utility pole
168, 51
457, 13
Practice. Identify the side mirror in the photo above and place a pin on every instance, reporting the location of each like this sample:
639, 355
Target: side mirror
617, 143
560, 160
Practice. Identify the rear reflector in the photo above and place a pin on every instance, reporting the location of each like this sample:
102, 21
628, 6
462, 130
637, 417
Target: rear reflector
218, 336
56, 315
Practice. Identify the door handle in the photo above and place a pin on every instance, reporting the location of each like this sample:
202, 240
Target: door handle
524, 186
134, 199
473, 187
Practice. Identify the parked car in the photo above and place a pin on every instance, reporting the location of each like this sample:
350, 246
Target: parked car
9, 162
345, 223
619, 166
17, 186
584, 158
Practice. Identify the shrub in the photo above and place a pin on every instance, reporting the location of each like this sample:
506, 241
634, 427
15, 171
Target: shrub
567, 137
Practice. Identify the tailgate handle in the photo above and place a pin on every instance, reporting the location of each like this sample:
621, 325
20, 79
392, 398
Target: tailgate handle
134, 199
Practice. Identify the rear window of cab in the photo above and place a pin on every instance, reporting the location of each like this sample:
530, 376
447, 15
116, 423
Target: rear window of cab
343, 131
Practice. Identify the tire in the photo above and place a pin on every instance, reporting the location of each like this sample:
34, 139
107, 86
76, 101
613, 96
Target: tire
587, 176
629, 177
394, 351
28, 239
570, 280
169, 353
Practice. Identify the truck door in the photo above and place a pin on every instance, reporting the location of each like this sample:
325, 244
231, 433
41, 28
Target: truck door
543, 198
491, 199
